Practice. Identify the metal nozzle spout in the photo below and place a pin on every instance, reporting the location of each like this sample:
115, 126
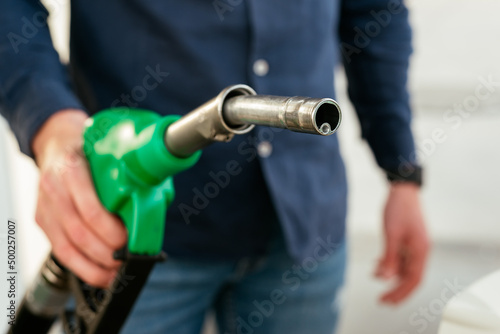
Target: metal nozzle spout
301, 114
237, 109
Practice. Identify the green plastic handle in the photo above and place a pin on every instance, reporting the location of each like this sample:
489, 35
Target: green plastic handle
132, 171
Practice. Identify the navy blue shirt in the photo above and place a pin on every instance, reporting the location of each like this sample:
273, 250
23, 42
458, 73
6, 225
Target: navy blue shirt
171, 56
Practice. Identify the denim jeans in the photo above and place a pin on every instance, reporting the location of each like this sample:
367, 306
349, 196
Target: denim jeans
268, 295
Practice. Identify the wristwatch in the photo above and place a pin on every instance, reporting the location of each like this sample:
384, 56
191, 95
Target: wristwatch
413, 175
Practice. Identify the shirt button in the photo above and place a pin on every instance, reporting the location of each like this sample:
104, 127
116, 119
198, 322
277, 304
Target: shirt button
264, 149
260, 67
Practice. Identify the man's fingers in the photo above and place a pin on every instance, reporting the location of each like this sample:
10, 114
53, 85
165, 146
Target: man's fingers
405, 286
66, 253
412, 265
76, 231
82, 267
401, 291
419, 250
388, 265
85, 240
105, 225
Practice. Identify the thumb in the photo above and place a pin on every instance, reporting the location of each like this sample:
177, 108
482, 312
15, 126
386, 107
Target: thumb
389, 263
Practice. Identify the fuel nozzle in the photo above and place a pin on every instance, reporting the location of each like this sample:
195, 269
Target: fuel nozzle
237, 109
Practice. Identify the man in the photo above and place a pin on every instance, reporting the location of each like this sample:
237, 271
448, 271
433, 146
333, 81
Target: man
268, 253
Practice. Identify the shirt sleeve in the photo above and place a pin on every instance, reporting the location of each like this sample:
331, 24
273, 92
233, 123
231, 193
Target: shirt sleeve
375, 38
33, 82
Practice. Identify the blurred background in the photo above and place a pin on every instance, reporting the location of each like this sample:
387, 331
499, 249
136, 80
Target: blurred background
456, 55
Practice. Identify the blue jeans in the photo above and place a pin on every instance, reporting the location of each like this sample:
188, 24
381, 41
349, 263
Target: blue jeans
268, 295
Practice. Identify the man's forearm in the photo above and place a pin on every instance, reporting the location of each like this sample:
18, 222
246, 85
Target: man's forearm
376, 46
33, 83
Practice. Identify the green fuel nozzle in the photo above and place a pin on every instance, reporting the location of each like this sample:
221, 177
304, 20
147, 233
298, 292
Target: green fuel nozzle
133, 154
132, 171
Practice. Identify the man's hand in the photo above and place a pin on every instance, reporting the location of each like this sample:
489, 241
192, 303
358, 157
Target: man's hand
406, 242
82, 233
